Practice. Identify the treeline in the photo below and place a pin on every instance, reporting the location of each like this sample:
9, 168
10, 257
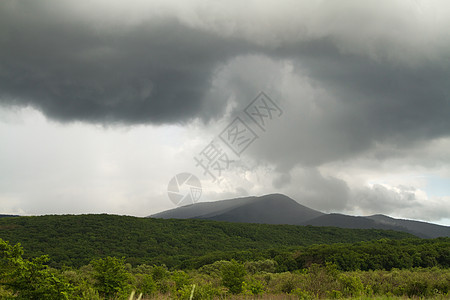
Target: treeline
112, 278
74, 240
381, 254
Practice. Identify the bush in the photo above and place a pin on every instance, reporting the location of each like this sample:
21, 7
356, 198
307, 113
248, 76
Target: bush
214, 269
233, 276
159, 272
302, 294
145, 284
267, 265
163, 286
30, 279
111, 277
253, 287
201, 292
351, 285
181, 279
287, 286
321, 279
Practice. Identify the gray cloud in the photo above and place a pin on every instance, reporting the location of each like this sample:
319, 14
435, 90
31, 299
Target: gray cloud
313, 189
400, 201
157, 71
160, 69
338, 106
355, 80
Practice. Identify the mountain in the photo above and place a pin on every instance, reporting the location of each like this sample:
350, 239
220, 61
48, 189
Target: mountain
8, 216
280, 209
422, 229
268, 209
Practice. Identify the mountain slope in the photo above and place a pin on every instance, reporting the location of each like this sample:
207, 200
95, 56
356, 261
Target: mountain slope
344, 221
280, 209
203, 209
418, 228
8, 216
268, 209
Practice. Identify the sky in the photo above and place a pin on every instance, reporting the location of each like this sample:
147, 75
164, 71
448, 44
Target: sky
342, 105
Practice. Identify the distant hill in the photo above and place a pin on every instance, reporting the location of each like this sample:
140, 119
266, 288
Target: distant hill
280, 209
74, 240
422, 229
8, 216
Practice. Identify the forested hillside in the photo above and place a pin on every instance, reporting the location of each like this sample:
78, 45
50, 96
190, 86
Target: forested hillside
320, 271
111, 257
74, 240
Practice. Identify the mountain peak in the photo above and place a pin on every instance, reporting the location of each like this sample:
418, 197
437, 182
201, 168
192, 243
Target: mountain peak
280, 209
268, 209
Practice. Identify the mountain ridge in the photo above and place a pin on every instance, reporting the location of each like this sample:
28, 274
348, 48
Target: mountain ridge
8, 216
280, 209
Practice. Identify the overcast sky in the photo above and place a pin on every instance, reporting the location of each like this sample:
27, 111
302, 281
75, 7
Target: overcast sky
103, 102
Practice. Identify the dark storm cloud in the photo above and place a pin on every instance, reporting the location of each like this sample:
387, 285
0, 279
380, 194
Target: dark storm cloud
157, 71
160, 70
387, 100
353, 103
359, 82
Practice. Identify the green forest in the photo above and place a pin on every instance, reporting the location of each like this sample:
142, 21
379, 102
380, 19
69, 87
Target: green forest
120, 257
74, 240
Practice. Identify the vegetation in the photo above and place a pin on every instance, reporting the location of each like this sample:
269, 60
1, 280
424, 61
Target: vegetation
75, 240
112, 278
29, 279
369, 264
233, 275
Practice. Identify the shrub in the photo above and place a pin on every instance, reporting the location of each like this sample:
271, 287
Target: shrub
253, 287
111, 277
351, 285
30, 279
267, 265
201, 292
233, 276
146, 285
334, 294
214, 269
181, 279
287, 286
302, 294
159, 272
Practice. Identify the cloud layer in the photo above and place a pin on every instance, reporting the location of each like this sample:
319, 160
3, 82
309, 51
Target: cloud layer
74, 69
364, 86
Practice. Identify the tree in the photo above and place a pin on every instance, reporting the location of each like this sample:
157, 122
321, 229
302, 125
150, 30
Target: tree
233, 276
111, 276
148, 285
30, 279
